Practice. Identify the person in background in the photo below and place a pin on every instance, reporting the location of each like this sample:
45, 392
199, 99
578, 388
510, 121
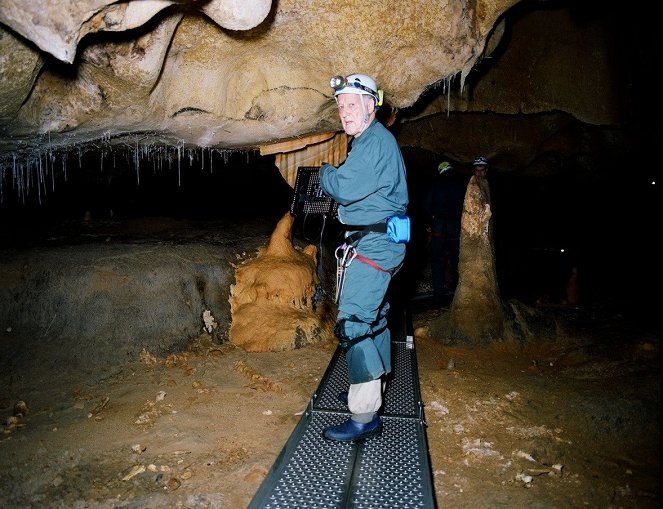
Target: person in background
444, 207
480, 166
369, 186
481, 172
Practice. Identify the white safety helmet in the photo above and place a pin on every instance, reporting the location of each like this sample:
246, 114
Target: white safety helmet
480, 161
360, 84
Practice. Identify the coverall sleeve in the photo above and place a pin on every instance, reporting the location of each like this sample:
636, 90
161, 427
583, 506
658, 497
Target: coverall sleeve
354, 180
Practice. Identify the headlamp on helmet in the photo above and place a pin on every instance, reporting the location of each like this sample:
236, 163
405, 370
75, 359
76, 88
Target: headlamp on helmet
359, 84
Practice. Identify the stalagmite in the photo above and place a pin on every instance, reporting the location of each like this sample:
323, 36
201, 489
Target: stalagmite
272, 303
477, 316
477, 312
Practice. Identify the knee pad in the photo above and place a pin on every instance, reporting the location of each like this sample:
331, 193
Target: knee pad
351, 331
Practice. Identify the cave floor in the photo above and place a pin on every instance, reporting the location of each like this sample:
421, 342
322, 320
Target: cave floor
574, 423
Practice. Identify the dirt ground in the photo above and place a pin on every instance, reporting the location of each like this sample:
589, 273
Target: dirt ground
572, 423
569, 422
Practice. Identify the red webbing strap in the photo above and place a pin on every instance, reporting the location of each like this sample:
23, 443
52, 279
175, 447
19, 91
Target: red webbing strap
371, 263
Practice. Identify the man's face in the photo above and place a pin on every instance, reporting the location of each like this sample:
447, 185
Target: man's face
351, 109
480, 171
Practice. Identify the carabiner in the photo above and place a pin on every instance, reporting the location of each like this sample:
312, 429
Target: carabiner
343, 261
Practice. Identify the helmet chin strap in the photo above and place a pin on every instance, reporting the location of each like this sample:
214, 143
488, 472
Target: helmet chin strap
363, 110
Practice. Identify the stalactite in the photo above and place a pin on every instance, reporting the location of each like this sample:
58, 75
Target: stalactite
39, 178
179, 161
137, 162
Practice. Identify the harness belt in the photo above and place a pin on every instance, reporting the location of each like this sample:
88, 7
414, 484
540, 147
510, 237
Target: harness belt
363, 230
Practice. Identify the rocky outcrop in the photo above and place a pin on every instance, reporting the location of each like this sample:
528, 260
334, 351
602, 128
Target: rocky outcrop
102, 298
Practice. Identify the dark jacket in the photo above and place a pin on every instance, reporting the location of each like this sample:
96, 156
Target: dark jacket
444, 198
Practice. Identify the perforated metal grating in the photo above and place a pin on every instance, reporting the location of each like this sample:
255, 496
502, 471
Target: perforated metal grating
391, 470
310, 471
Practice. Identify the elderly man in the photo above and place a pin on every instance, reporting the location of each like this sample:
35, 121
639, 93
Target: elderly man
370, 186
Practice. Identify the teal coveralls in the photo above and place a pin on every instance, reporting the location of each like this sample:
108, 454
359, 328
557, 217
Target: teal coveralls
369, 186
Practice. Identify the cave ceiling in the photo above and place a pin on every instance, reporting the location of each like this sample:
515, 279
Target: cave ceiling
246, 75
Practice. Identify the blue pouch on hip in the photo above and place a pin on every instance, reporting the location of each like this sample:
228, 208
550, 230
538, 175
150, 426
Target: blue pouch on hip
398, 229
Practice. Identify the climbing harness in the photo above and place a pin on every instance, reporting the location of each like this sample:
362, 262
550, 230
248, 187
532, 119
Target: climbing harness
397, 229
345, 253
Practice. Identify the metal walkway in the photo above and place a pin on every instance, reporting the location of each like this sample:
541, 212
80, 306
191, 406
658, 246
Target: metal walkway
391, 470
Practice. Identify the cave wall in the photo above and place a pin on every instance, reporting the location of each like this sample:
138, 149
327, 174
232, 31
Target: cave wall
557, 93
